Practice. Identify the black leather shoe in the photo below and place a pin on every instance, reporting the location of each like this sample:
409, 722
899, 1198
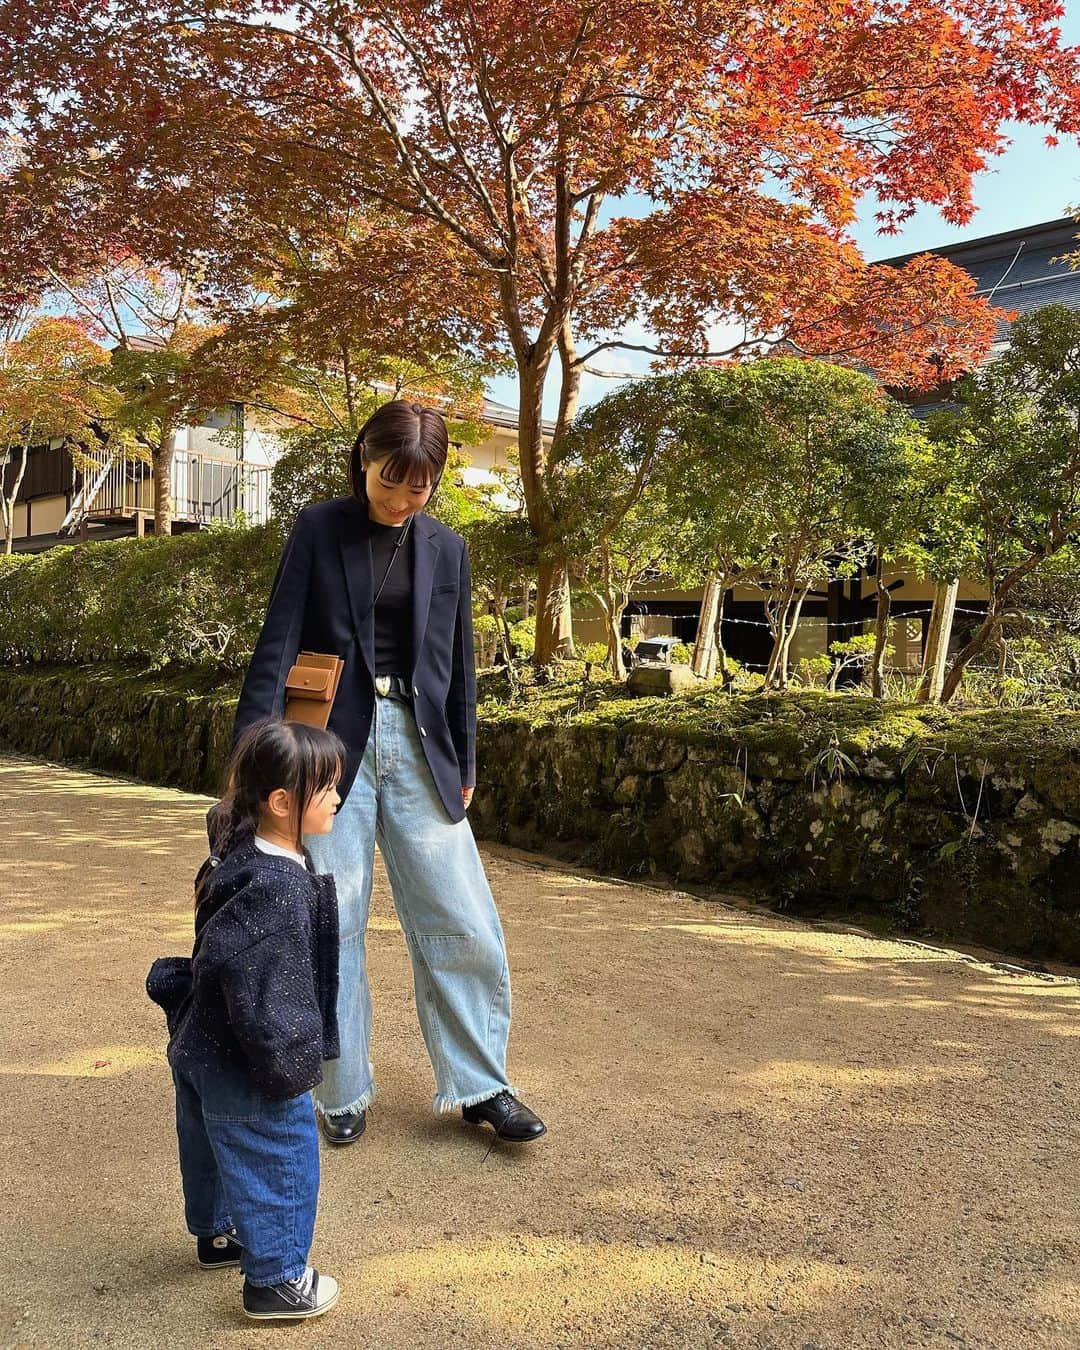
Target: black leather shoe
513, 1121
344, 1129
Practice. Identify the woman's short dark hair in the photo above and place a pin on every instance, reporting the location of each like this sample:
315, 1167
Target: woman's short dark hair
274, 754
412, 438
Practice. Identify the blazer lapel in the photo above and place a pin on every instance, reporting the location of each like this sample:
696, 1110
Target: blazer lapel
355, 543
426, 545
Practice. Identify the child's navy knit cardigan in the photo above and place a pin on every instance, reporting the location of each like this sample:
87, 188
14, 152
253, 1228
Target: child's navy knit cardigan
259, 991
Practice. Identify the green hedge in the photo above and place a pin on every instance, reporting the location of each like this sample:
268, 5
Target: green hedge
192, 598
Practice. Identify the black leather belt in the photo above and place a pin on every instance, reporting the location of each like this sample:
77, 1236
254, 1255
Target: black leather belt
393, 686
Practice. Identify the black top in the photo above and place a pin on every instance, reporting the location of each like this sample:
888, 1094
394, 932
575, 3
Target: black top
393, 610
259, 991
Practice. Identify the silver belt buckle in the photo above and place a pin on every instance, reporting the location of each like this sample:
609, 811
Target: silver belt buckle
382, 684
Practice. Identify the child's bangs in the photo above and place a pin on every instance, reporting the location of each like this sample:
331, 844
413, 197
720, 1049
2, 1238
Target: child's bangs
327, 766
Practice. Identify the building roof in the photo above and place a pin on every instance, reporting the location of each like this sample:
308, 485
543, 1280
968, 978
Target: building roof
502, 415
1020, 269
141, 342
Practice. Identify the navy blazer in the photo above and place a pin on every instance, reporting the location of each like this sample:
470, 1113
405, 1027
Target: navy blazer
321, 601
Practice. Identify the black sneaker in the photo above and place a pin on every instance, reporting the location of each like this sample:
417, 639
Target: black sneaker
217, 1252
309, 1296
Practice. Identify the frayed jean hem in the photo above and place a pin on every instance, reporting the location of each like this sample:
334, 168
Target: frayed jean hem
444, 1102
360, 1104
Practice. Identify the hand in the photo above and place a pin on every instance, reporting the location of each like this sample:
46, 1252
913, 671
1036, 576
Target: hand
467, 796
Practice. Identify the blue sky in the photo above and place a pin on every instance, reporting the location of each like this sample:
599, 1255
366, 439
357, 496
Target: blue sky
1030, 182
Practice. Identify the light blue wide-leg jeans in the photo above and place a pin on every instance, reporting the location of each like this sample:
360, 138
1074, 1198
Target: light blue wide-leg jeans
445, 908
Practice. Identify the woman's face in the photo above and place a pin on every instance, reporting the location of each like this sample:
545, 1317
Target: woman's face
391, 503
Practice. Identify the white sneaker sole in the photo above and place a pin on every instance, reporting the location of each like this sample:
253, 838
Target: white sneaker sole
219, 1265
294, 1316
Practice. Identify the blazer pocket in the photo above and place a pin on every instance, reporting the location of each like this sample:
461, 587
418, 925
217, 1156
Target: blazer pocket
444, 590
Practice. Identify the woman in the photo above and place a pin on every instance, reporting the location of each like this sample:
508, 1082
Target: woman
373, 579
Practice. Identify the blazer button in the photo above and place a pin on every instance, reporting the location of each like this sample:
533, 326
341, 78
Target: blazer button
416, 691
423, 731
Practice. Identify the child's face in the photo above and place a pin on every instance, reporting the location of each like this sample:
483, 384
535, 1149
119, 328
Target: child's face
319, 816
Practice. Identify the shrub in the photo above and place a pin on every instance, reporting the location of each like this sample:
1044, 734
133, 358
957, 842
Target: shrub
190, 599
523, 636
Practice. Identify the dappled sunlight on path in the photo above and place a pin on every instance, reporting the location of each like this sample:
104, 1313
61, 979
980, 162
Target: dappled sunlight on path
761, 1134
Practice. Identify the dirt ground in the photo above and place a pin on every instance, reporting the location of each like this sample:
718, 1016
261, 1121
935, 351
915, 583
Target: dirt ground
760, 1134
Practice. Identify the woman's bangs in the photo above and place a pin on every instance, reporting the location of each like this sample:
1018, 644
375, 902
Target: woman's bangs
411, 463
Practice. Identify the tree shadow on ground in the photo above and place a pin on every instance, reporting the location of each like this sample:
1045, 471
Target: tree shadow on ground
760, 1134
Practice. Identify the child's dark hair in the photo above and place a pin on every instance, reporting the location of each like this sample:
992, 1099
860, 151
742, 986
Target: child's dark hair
273, 754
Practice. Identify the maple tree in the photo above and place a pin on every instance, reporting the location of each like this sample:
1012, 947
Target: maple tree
158, 334
536, 181
51, 388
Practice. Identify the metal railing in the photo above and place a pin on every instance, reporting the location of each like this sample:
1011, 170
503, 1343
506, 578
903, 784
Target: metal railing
202, 489
124, 485
205, 489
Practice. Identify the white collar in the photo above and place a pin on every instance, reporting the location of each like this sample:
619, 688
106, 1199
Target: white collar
279, 851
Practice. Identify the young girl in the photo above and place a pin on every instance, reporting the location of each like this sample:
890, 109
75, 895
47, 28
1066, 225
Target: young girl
252, 1015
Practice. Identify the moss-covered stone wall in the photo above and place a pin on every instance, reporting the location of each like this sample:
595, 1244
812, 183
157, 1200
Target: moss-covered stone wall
963, 827
956, 826
172, 730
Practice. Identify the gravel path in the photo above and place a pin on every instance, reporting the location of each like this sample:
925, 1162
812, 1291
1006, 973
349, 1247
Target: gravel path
760, 1135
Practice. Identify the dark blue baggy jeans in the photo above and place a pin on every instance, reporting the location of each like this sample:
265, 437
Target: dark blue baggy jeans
249, 1162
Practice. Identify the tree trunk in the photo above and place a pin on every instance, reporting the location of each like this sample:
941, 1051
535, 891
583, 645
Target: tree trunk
706, 639
163, 462
11, 498
994, 610
979, 640
792, 625
727, 675
554, 630
779, 633
554, 624
936, 656
787, 612
613, 614
505, 642
881, 640
526, 599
